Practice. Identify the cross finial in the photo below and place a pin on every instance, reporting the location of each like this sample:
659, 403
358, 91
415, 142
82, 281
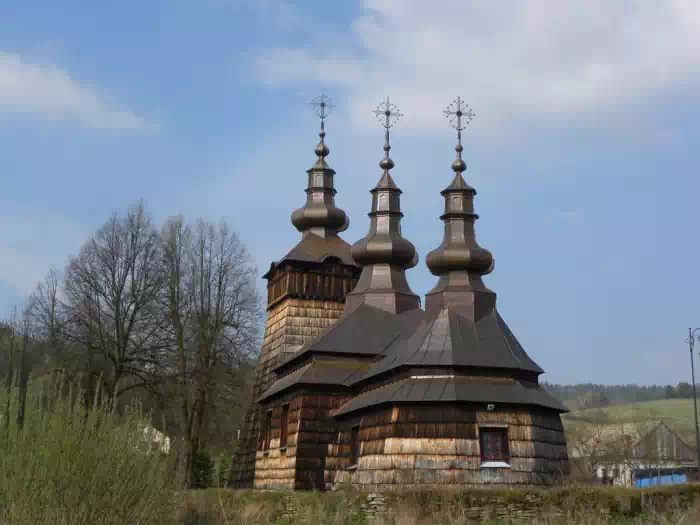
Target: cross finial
460, 115
322, 105
388, 115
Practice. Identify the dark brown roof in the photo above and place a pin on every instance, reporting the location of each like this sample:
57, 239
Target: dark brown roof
385, 342
316, 249
452, 340
365, 331
453, 389
317, 372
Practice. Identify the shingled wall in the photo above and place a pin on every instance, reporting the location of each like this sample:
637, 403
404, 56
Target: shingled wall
423, 447
291, 323
312, 433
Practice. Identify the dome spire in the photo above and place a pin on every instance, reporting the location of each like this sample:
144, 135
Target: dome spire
459, 261
455, 112
384, 253
323, 105
319, 215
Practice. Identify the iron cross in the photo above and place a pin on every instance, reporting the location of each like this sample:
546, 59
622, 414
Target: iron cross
457, 111
387, 114
322, 105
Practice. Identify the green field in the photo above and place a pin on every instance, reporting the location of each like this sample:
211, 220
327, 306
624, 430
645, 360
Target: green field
676, 413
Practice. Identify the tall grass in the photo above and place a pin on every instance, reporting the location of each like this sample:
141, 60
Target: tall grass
67, 463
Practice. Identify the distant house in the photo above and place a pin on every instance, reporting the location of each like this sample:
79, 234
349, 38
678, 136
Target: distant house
158, 440
660, 456
627, 455
592, 399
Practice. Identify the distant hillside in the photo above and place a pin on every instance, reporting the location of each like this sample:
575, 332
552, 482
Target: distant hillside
676, 413
582, 395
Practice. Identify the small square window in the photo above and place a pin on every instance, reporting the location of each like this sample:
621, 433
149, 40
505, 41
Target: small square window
494, 446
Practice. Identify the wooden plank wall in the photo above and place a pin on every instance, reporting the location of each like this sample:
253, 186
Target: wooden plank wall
327, 281
311, 434
275, 468
438, 446
291, 324
318, 433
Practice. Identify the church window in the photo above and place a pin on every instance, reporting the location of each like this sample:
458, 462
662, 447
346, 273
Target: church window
494, 445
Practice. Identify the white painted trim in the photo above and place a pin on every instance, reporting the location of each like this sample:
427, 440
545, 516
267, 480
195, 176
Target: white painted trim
433, 377
495, 464
493, 425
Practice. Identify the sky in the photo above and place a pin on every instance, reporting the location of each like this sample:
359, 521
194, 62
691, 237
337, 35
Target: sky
584, 148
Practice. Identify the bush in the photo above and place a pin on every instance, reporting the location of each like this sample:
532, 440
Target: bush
67, 464
222, 470
202, 470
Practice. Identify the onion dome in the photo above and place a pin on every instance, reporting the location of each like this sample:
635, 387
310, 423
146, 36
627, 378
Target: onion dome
459, 250
384, 242
319, 214
384, 253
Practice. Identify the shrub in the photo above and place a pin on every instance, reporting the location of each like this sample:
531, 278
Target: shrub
72, 464
222, 470
202, 470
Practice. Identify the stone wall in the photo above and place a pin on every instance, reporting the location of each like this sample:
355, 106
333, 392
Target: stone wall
575, 504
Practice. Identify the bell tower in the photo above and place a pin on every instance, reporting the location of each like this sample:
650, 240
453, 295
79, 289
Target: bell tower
306, 289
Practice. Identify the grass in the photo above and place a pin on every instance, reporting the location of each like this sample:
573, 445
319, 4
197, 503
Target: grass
677, 413
571, 506
68, 464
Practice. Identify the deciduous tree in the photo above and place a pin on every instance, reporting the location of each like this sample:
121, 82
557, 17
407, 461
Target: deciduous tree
111, 290
212, 312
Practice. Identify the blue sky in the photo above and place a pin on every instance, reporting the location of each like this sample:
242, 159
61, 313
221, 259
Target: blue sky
583, 150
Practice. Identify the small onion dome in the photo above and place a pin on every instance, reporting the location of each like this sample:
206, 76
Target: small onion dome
459, 257
385, 248
384, 243
459, 250
319, 210
320, 217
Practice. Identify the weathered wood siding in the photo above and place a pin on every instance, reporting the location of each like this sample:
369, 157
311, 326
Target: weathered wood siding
438, 446
318, 432
275, 468
312, 431
291, 323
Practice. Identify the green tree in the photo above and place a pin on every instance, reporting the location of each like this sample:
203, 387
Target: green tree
669, 392
684, 390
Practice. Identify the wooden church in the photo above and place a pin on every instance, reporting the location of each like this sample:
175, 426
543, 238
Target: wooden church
357, 385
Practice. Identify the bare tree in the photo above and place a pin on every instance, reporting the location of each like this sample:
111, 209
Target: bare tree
16, 345
50, 318
112, 289
213, 315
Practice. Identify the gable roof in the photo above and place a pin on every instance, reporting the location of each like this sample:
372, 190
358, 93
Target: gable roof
661, 428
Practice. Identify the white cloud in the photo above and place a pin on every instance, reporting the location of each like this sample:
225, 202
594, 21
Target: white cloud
509, 59
51, 92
